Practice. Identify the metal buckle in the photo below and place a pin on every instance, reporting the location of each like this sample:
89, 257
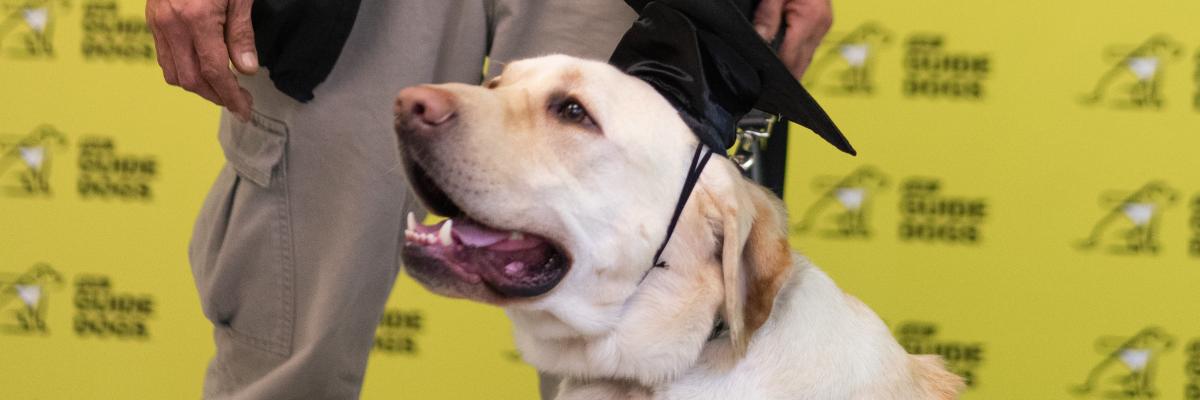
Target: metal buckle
753, 130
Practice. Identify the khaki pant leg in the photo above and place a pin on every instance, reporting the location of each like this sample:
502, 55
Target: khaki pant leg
296, 248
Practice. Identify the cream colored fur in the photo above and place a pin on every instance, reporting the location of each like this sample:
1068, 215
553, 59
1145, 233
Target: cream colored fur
605, 196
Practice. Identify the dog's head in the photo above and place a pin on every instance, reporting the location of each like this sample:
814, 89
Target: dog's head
560, 177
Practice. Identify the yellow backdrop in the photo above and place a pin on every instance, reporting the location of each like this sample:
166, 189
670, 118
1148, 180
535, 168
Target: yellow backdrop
1026, 203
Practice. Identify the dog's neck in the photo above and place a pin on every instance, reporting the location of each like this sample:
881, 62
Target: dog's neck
675, 304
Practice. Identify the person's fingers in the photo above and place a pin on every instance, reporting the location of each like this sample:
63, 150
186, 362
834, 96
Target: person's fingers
200, 86
187, 72
239, 36
246, 93
212, 57
767, 18
807, 23
817, 15
155, 18
206, 91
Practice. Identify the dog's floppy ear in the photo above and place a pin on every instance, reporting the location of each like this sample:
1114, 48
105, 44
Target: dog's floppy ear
755, 255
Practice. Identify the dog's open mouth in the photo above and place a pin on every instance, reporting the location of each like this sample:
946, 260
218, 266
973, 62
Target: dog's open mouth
509, 263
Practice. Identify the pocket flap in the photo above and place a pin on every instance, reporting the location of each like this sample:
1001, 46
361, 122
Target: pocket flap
254, 148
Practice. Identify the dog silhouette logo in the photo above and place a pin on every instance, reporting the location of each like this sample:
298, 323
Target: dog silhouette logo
1131, 224
849, 60
27, 27
844, 206
1191, 368
1136, 75
23, 299
25, 161
1128, 368
1194, 226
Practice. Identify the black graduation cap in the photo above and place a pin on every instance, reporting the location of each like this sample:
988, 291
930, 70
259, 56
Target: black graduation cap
705, 58
708, 61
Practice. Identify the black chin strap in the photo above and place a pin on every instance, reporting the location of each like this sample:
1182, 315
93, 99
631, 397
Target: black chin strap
699, 160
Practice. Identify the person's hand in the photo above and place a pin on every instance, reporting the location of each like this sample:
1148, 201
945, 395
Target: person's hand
195, 41
807, 23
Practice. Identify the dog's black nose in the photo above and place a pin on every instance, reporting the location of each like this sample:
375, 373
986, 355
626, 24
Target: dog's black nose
423, 109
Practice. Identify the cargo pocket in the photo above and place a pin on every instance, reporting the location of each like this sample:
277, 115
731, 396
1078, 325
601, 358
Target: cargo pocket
241, 250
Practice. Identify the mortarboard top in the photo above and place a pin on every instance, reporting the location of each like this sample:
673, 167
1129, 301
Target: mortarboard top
705, 58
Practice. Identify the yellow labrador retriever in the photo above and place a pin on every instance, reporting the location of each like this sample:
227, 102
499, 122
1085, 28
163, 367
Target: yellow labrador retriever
559, 178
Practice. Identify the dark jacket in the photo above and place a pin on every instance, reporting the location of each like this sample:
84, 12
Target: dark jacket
300, 40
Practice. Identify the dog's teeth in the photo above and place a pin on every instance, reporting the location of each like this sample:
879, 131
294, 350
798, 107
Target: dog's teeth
516, 236
444, 233
412, 221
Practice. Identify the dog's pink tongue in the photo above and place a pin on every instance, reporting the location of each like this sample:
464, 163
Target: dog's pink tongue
510, 244
473, 234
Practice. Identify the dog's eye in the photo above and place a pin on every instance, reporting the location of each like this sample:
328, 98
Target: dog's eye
573, 112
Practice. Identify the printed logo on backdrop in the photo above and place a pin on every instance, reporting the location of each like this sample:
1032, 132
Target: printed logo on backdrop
26, 161
1131, 224
110, 34
933, 70
1127, 369
101, 311
963, 358
844, 207
929, 215
105, 173
25, 299
1196, 82
399, 331
27, 27
1136, 74
847, 65
1194, 226
1191, 371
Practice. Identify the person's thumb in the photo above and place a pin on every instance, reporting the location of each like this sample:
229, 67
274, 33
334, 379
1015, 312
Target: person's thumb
239, 36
